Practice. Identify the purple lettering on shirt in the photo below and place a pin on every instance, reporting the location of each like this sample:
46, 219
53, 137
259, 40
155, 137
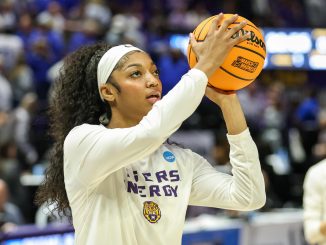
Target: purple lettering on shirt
161, 175
135, 175
132, 187
154, 189
167, 190
147, 176
140, 189
174, 190
174, 175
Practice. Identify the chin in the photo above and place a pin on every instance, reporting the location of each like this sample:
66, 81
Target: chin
148, 110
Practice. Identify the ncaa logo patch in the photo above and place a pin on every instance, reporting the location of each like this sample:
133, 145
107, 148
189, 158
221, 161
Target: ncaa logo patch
151, 211
169, 156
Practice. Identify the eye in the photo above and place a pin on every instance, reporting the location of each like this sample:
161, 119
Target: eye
135, 74
156, 72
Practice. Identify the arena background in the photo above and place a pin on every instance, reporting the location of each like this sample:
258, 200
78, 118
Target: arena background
285, 107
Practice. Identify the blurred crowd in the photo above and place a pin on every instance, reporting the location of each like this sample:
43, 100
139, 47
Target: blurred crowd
288, 123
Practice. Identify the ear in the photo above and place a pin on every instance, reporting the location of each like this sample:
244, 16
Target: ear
108, 92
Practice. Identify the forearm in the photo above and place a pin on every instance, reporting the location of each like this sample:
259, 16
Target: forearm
233, 115
243, 190
177, 105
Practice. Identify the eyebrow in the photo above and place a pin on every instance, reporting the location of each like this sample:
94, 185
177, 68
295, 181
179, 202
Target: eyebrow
136, 64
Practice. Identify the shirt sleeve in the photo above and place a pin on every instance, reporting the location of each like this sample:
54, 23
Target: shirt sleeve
313, 205
243, 190
93, 152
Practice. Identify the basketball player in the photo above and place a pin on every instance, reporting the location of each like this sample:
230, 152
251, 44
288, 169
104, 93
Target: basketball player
123, 184
314, 204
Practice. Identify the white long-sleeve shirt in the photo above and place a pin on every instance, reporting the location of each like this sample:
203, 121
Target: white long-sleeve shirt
126, 187
314, 203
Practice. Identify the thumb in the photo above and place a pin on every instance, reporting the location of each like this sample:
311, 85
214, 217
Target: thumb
192, 39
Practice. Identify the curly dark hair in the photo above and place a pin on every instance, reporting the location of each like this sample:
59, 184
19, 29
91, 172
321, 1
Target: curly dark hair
74, 101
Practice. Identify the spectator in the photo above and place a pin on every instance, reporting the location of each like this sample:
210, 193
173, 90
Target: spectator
91, 32
176, 19
5, 91
126, 28
196, 14
316, 12
98, 10
7, 16
46, 32
54, 13
21, 79
25, 28
314, 204
23, 114
10, 48
307, 121
254, 102
40, 59
173, 60
10, 215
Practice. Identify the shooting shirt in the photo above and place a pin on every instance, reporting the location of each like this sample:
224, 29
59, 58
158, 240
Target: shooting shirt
126, 187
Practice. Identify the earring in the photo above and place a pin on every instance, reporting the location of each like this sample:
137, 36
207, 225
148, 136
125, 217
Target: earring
104, 120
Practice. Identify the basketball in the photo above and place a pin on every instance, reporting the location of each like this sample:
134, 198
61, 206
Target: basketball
244, 62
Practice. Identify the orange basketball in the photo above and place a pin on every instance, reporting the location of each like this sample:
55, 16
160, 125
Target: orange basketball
244, 62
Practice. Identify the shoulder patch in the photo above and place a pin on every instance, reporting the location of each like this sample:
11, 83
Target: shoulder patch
169, 156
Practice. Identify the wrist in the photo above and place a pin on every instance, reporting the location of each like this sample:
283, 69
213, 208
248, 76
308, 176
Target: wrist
207, 67
228, 101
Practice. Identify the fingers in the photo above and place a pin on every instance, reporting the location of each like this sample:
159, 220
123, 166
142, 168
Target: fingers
215, 23
228, 22
231, 33
236, 28
240, 38
193, 42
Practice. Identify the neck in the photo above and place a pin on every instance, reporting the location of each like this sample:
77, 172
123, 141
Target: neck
120, 121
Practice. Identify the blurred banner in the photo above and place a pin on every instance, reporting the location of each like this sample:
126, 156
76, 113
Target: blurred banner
287, 48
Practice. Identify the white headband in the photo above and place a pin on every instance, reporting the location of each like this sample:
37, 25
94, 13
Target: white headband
109, 61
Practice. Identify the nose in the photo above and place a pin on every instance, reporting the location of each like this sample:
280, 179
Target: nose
152, 82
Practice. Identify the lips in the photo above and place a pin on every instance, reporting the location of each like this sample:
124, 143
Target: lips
153, 97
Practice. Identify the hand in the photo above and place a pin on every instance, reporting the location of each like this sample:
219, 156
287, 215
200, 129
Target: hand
219, 96
8, 227
212, 52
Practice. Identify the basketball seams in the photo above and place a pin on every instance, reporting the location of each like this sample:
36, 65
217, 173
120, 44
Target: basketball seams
203, 24
233, 75
231, 72
208, 21
253, 26
250, 50
194, 32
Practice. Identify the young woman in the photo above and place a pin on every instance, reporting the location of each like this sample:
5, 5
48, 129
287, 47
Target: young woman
122, 183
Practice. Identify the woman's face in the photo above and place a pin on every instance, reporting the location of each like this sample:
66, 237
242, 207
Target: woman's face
140, 87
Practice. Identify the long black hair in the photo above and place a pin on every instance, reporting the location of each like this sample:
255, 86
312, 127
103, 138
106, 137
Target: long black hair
74, 101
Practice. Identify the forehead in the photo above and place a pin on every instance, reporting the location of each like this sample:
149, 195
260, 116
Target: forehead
141, 58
